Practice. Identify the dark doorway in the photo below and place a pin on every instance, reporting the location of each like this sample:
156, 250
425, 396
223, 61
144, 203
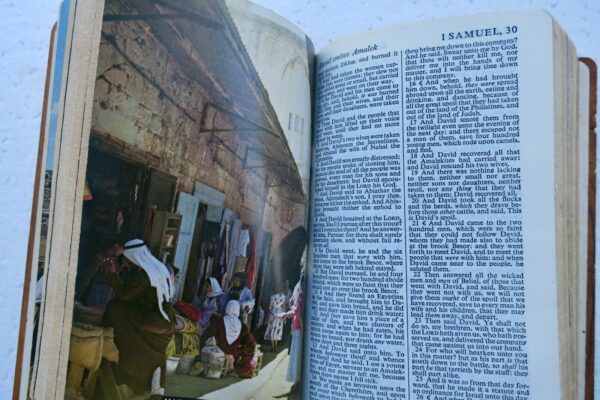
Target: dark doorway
112, 207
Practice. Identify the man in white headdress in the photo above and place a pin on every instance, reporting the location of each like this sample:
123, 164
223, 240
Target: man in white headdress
142, 317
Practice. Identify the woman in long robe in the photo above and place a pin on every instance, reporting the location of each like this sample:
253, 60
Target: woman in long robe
234, 338
142, 317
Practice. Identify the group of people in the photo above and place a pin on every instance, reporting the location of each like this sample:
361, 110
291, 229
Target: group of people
215, 300
284, 304
224, 316
137, 293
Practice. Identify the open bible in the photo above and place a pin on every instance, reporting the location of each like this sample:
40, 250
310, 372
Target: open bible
407, 213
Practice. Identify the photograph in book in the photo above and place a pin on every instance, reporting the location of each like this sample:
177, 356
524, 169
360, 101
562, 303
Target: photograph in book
450, 236
194, 216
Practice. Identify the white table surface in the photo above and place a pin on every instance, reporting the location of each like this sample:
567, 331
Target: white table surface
25, 27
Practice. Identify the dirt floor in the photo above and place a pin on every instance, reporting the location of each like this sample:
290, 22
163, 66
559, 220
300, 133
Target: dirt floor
194, 387
186, 386
277, 387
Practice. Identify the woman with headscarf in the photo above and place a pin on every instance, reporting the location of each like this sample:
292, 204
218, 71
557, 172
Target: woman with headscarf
142, 318
233, 338
238, 291
212, 301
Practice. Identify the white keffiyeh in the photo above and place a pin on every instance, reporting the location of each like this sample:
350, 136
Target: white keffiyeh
136, 251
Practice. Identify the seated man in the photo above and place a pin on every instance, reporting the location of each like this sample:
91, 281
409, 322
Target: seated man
233, 338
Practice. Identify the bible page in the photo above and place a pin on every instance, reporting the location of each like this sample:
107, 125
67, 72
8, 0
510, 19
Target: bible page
433, 227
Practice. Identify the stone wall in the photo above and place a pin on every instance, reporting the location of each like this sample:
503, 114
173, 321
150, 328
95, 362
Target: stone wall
147, 105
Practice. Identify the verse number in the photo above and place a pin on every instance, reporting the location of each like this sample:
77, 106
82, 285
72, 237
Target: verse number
510, 29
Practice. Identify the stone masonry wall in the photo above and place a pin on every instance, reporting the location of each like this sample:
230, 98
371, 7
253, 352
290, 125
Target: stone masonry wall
153, 109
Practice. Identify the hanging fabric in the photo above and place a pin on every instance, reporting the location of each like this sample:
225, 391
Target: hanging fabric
201, 271
217, 270
251, 265
228, 218
236, 228
243, 242
224, 260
